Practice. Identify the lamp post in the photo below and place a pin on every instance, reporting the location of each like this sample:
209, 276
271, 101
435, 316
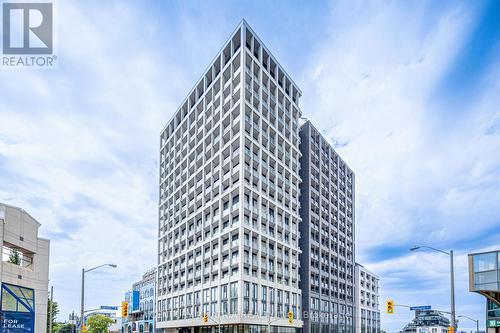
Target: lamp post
269, 321
477, 321
51, 318
452, 281
83, 290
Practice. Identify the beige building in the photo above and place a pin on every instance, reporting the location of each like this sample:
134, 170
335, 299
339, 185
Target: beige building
24, 271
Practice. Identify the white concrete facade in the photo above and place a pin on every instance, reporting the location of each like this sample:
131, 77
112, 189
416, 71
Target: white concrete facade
367, 301
229, 196
19, 231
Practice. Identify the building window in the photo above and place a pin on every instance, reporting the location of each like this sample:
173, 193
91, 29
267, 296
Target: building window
223, 297
264, 300
213, 305
233, 308
254, 298
17, 299
246, 298
271, 301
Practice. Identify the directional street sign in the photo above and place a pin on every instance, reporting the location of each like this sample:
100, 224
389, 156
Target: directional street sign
108, 307
421, 307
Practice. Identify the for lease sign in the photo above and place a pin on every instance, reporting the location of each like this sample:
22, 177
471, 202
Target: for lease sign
17, 322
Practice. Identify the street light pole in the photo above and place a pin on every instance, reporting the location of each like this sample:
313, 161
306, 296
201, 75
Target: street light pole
452, 296
474, 320
51, 315
82, 306
452, 282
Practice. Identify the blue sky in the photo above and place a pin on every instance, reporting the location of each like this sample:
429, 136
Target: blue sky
407, 91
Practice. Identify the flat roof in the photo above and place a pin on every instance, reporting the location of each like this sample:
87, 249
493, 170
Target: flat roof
486, 252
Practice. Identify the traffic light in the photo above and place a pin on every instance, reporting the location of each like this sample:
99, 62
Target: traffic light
124, 309
451, 329
290, 317
389, 306
84, 329
205, 318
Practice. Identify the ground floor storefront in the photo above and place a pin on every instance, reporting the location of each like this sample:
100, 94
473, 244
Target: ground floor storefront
242, 328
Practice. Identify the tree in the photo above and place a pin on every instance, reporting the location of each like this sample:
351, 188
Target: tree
55, 312
64, 328
98, 324
15, 257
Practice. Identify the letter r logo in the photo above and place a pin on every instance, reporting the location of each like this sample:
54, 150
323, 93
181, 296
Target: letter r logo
27, 28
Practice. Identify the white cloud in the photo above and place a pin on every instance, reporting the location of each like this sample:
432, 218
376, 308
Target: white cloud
419, 178
79, 151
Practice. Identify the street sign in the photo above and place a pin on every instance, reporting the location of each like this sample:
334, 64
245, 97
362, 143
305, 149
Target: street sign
420, 307
108, 307
493, 323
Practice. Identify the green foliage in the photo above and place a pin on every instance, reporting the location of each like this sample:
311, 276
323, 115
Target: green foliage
55, 312
64, 328
14, 257
98, 324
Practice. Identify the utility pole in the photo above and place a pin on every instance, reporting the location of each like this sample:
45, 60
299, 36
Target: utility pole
452, 281
82, 322
83, 301
474, 320
51, 313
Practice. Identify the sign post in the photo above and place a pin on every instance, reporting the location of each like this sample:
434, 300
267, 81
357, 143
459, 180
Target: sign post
108, 307
420, 307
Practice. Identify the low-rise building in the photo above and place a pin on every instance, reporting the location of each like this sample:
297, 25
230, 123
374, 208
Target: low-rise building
141, 302
367, 301
492, 317
427, 321
484, 278
24, 272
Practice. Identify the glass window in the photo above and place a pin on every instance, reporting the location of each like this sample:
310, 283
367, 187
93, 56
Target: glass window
16, 298
9, 303
234, 290
485, 277
485, 262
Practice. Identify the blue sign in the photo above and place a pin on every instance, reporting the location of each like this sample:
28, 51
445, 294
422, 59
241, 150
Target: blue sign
136, 295
17, 322
421, 307
108, 307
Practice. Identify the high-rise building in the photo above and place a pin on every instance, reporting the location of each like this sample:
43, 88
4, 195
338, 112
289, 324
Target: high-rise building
229, 198
367, 301
327, 236
24, 272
